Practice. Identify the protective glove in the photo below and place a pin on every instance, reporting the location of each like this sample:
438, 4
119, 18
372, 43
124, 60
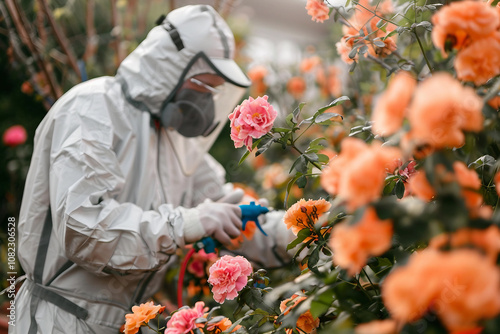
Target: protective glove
234, 196
222, 221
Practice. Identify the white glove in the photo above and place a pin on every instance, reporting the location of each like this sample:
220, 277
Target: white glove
233, 197
222, 221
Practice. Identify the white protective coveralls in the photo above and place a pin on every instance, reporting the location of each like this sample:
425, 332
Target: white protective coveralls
107, 200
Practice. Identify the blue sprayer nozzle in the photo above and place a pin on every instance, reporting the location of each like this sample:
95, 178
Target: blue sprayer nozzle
208, 244
251, 212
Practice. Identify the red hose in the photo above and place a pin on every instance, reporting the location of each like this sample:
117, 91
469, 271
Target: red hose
180, 282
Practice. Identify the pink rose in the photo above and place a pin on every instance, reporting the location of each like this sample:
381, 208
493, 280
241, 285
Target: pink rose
183, 321
228, 276
253, 118
318, 10
199, 261
15, 135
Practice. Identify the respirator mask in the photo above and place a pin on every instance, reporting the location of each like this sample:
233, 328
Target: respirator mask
191, 114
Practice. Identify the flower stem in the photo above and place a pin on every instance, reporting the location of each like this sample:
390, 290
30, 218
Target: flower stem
380, 62
369, 280
423, 51
374, 13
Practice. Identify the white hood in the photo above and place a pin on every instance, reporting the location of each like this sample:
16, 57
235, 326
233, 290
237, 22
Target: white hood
152, 72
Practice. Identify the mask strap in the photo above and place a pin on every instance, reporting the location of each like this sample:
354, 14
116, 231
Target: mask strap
174, 34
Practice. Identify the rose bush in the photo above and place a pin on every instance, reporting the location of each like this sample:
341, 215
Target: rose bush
400, 229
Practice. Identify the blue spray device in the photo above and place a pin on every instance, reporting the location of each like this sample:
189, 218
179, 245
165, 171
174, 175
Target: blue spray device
249, 212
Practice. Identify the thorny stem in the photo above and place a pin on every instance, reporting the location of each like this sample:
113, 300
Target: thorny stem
423, 51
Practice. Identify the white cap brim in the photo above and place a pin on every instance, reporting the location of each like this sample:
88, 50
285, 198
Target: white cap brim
231, 71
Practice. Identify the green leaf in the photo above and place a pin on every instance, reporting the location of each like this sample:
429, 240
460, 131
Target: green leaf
484, 160
300, 249
312, 262
311, 157
321, 303
380, 44
289, 120
253, 298
400, 189
390, 183
281, 130
289, 187
352, 67
323, 158
302, 182
353, 53
297, 111
334, 103
254, 145
317, 141
314, 148
301, 236
300, 165
425, 24
264, 147
392, 33
326, 116
245, 155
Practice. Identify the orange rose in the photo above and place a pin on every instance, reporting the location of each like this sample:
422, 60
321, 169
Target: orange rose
439, 120
318, 10
141, 315
495, 102
363, 19
461, 23
296, 86
344, 47
470, 183
352, 245
221, 325
306, 323
480, 61
390, 110
357, 174
274, 176
420, 186
257, 75
488, 240
304, 214
377, 327
308, 64
329, 84
331, 175
462, 287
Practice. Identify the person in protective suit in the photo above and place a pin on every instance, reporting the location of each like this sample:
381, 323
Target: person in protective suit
120, 179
